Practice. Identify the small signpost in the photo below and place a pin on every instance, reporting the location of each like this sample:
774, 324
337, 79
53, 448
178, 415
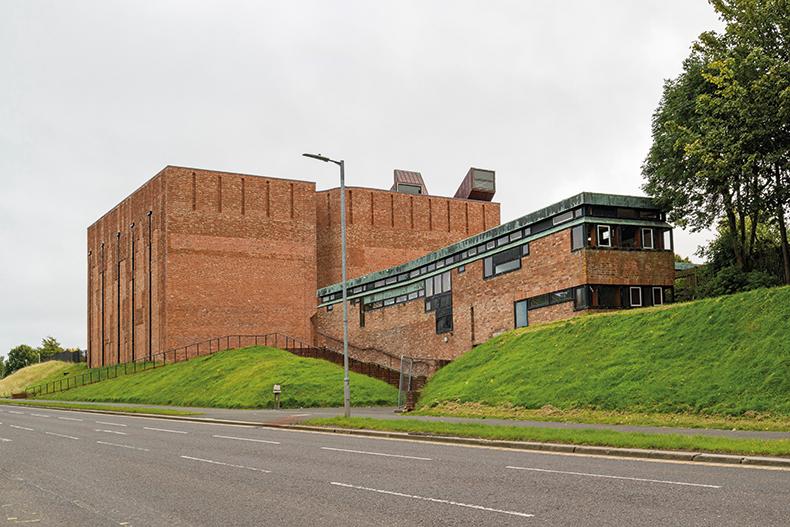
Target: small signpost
277, 396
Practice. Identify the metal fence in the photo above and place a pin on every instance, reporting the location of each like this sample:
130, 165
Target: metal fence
184, 353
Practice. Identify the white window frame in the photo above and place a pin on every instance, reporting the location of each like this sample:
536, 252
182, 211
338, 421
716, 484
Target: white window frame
631, 297
603, 228
652, 244
660, 296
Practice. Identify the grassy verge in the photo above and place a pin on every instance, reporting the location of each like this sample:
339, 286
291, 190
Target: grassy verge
105, 408
241, 378
19, 380
727, 356
749, 421
697, 443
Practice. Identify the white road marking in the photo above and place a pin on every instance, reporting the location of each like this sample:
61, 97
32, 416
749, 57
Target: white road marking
3, 439
18, 413
39, 415
435, 500
247, 439
618, 477
61, 435
375, 453
225, 464
69, 419
165, 430
123, 446
111, 432
21, 427
111, 424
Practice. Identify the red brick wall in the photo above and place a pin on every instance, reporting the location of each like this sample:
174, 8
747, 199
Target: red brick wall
233, 254
385, 229
607, 266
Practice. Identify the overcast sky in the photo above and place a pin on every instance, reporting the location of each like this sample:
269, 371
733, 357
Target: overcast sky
96, 97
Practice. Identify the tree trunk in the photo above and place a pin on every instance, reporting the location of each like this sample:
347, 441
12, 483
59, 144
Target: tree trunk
785, 251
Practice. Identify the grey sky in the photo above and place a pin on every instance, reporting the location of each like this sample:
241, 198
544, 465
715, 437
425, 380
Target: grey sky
97, 97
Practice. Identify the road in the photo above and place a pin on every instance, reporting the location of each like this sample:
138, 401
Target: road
60, 467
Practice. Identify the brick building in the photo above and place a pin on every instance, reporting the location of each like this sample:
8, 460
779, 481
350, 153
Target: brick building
195, 254
591, 251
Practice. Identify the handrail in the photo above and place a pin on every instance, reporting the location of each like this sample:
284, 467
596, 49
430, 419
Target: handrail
158, 360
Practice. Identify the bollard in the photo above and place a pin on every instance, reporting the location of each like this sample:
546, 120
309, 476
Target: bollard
277, 396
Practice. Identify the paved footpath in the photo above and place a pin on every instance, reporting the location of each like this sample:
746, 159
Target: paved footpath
295, 415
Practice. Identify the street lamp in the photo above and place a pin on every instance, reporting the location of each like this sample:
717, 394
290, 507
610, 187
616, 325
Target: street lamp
346, 381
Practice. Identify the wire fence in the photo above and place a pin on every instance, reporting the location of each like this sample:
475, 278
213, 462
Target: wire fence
184, 353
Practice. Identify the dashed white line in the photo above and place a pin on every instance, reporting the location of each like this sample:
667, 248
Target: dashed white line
110, 424
375, 453
123, 446
4, 440
225, 464
70, 419
18, 413
39, 415
618, 477
247, 439
111, 432
21, 428
61, 435
165, 430
434, 500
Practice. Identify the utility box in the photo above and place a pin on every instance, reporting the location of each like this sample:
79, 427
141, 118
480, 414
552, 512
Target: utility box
478, 184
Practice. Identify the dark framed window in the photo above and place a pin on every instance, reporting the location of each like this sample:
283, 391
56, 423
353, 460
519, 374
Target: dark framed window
580, 298
504, 262
635, 296
603, 236
461, 269
444, 323
658, 296
562, 218
520, 313
577, 237
628, 236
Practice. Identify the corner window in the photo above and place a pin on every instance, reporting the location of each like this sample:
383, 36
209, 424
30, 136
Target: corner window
658, 296
647, 239
604, 236
520, 309
635, 294
628, 236
577, 237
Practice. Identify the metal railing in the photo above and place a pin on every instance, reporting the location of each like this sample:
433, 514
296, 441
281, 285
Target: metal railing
184, 353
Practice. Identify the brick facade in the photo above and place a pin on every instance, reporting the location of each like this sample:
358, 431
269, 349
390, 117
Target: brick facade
238, 254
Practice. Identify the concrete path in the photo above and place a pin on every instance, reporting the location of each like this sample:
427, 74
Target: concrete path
294, 415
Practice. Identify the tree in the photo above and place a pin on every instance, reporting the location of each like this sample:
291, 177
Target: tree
721, 133
20, 357
49, 347
2, 368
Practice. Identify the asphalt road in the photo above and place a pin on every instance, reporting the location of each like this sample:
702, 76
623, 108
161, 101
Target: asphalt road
66, 468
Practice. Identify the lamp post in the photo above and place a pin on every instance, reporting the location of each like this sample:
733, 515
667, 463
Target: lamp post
346, 381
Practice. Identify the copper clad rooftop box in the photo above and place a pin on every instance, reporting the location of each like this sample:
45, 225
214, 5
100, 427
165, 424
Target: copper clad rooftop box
409, 182
478, 184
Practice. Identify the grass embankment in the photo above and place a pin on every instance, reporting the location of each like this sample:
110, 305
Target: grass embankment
33, 374
721, 358
240, 378
696, 443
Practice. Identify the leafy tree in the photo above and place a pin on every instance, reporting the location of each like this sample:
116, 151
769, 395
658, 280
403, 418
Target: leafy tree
2, 368
49, 347
20, 357
721, 133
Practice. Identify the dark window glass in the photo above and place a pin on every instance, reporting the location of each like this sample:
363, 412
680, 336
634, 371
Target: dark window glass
578, 213
380, 283
647, 239
525, 249
521, 313
403, 277
414, 273
577, 237
502, 241
461, 269
562, 218
431, 267
329, 308
658, 296
392, 280
444, 324
608, 296
626, 213
635, 294
628, 236
580, 298
539, 301
648, 214
561, 296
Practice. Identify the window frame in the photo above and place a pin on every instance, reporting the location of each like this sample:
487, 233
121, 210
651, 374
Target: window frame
660, 295
631, 291
652, 245
598, 239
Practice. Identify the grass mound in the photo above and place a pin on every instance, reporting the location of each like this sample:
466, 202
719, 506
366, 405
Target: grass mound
727, 356
33, 374
241, 378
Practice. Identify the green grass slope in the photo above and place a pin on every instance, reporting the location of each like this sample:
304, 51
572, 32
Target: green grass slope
723, 356
33, 374
240, 378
